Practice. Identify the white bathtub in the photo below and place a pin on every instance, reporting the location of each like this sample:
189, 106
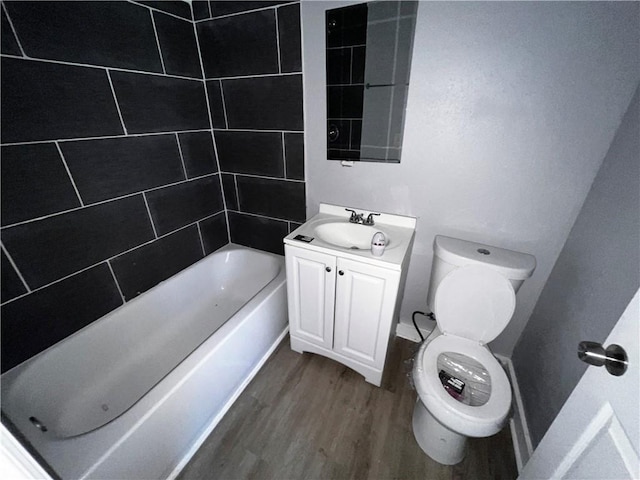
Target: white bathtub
134, 394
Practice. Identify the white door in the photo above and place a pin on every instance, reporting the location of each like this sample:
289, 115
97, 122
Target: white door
596, 435
365, 302
310, 291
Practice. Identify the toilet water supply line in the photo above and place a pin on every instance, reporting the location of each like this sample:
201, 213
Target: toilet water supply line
431, 316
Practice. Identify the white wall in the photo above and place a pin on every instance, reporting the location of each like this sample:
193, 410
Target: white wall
512, 107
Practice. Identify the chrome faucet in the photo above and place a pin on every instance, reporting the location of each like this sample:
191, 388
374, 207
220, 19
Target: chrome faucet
369, 220
359, 217
355, 217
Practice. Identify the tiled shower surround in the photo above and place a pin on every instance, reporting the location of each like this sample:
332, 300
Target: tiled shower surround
136, 140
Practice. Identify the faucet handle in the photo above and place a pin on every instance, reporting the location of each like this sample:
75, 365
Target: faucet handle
354, 215
369, 220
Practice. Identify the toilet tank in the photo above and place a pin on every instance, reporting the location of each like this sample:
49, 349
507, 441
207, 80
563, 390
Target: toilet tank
451, 253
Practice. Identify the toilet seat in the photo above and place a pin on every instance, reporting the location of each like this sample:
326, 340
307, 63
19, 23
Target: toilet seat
480, 421
474, 302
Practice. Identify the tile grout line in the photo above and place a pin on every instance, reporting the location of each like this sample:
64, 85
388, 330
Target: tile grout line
161, 11
257, 75
284, 157
204, 254
146, 204
113, 274
275, 14
13, 29
66, 167
257, 130
115, 99
267, 216
235, 183
106, 137
235, 14
350, 66
155, 32
110, 258
15, 267
43, 217
213, 137
282, 179
224, 107
210, 14
184, 168
102, 67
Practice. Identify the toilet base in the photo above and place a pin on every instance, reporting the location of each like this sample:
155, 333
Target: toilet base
441, 444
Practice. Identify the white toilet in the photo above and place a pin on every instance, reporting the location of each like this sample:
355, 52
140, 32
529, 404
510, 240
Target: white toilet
462, 389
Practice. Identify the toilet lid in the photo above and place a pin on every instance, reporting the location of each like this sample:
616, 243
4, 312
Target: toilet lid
474, 302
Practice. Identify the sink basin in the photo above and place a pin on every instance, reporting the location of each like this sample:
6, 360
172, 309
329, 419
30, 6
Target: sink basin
348, 235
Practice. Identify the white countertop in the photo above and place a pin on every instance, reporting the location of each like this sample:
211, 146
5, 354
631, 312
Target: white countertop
398, 229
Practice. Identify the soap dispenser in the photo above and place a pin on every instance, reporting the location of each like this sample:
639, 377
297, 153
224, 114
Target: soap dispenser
378, 243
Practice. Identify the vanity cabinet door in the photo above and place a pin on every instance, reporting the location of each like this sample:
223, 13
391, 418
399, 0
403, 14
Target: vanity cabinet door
311, 278
365, 302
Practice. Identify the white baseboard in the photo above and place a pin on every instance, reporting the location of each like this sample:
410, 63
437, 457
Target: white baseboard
522, 445
214, 422
408, 331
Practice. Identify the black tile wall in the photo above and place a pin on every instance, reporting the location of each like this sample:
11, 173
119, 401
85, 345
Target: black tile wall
114, 34
257, 153
294, 155
112, 167
267, 103
48, 249
34, 182
345, 101
289, 31
229, 186
346, 35
239, 45
225, 8
110, 175
179, 205
176, 7
11, 284
178, 46
350, 26
214, 232
200, 9
258, 232
338, 66
359, 57
257, 119
216, 104
154, 103
34, 322
198, 153
8, 43
45, 101
272, 198
141, 269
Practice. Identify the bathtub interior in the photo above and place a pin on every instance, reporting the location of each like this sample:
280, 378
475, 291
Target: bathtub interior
122, 371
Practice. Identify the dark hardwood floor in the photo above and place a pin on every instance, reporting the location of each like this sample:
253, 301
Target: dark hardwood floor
307, 417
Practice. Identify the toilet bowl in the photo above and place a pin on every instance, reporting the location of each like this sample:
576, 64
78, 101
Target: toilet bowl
473, 304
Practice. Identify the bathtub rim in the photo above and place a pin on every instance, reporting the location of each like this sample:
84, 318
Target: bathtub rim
11, 373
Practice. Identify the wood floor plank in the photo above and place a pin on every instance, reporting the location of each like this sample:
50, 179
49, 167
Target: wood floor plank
308, 417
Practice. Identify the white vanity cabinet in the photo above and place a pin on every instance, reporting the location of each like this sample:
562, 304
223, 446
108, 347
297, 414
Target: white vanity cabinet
341, 308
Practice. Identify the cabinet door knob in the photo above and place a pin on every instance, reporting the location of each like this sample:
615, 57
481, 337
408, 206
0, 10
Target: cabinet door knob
328, 269
340, 272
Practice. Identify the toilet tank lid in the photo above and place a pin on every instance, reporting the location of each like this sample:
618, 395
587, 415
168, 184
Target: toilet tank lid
513, 265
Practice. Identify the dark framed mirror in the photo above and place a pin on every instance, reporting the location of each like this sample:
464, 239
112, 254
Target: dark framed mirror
368, 66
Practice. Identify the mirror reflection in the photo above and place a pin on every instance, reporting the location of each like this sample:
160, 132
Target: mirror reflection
369, 50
